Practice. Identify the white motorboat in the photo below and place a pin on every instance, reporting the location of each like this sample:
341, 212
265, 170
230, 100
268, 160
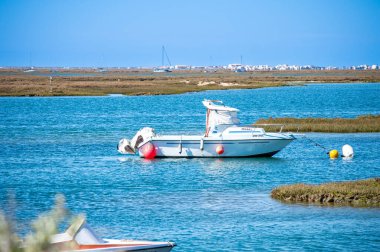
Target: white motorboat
223, 137
80, 237
30, 70
162, 70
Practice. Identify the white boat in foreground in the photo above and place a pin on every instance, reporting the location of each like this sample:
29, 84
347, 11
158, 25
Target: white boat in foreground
80, 237
223, 137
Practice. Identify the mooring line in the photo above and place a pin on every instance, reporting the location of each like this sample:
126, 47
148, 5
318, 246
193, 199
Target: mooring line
315, 143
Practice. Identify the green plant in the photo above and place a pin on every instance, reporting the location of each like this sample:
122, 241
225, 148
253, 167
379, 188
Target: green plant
43, 228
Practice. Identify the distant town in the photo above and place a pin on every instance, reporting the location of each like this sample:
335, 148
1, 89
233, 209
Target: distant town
283, 67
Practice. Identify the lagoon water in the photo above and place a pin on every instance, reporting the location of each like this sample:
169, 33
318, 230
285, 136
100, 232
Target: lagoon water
68, 145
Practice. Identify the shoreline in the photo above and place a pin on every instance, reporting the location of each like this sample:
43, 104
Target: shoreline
15, 82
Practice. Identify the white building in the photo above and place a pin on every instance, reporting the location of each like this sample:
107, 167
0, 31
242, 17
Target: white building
182, 67
233, 67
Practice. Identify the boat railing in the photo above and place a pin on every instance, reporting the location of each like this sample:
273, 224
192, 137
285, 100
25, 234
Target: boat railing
294, 127
281, 126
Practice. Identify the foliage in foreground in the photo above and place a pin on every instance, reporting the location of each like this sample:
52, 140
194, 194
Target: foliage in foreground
362, 193
43, 228
365, 123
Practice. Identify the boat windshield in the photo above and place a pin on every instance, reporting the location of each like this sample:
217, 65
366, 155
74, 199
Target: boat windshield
223, 118
219, 117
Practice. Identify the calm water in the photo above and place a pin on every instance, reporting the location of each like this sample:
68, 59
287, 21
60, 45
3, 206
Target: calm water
68, 145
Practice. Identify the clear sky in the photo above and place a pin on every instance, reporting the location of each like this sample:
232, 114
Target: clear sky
195, 32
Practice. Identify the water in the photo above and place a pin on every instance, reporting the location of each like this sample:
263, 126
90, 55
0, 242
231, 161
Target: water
68, 145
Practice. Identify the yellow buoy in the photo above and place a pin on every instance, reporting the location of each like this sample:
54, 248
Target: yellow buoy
333, 154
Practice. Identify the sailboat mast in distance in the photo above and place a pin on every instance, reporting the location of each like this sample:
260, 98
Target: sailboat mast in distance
162, 68
167, 57
162, 55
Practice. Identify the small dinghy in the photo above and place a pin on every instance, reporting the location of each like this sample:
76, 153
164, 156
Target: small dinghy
223, 137
80, 237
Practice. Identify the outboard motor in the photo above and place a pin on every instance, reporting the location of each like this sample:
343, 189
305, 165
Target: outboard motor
125, 146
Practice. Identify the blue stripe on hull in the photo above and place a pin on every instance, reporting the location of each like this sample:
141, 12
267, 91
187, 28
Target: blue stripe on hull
270, 154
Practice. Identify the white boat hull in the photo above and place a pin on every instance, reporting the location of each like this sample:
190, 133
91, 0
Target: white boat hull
80, 237
224, 137
149, 247
191, 146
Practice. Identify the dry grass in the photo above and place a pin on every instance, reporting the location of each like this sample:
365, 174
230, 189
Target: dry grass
17, 83
366, 123
356, 193
40, 86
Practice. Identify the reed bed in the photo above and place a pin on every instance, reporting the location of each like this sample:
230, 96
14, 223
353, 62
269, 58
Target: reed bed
361, 193
365, 123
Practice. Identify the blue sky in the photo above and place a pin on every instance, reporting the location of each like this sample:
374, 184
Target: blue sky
131, 33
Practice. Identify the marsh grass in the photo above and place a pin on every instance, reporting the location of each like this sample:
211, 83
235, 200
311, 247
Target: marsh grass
17, 83
127, 85
361, 193
365, 123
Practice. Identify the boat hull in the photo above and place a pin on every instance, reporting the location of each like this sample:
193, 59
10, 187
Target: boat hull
189, 147
121, 248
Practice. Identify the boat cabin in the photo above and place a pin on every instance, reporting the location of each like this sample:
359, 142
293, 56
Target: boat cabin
219, 117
